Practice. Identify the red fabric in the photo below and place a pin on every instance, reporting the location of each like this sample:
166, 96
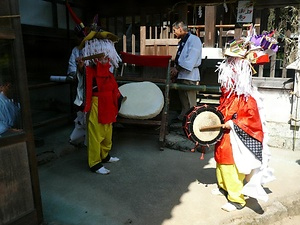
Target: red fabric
73, 15
261, 60
146, 60
247, 118
108, 92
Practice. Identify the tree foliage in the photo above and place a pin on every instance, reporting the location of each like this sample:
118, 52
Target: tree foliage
288, 31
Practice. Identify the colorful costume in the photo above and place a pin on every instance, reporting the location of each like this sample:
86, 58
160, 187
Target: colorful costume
101, 91
242, 152
101, 98
246, 122
102, 103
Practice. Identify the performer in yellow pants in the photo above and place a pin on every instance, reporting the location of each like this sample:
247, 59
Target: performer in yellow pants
230, 180
102, 97
99, 138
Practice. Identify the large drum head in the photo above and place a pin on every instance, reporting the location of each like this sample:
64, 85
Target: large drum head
144, 100
199, 117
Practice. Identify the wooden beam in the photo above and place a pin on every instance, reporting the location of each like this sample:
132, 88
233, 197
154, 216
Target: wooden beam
161, 41
210, 23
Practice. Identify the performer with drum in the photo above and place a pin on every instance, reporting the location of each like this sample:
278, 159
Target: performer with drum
242, 152
188, 59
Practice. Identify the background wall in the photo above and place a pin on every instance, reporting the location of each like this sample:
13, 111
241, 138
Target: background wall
277, 103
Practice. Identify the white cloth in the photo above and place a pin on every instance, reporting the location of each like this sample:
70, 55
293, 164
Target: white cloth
76, 52
244, 159
246, 162
190, 58
79, 133
72, 68
80, 89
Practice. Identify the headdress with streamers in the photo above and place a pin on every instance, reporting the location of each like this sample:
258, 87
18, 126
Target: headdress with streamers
96, 41
235, 72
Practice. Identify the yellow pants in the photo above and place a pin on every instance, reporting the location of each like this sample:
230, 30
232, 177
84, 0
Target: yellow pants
231, 181
99, 137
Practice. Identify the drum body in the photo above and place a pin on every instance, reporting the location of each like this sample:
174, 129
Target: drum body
199, 117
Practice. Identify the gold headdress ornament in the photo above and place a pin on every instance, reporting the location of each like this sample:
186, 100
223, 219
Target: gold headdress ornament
99, 35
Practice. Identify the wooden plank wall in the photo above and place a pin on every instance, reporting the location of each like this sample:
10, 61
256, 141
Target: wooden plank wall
161, 41
157, 43
16, 197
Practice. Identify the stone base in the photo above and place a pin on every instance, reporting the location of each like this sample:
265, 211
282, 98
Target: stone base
283, 136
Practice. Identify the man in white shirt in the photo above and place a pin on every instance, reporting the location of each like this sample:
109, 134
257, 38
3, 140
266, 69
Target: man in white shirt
187, 61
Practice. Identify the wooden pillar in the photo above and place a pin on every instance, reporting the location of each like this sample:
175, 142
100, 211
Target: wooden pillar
295, 118
238, 32
210, 24
296, 96
220, 44
124, 34
142, 40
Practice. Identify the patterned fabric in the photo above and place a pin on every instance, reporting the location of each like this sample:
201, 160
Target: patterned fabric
247, 118
251, 143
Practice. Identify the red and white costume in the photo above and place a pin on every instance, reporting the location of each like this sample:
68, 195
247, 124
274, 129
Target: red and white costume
101, 99
243, 149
